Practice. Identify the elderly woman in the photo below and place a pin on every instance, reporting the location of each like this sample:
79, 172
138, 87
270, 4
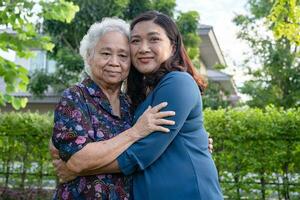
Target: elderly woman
92, 122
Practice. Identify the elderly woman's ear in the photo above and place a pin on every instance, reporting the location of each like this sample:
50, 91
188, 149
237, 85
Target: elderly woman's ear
89, 57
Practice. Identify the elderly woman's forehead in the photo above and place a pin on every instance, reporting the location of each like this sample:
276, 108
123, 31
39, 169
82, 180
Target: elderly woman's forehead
113, 35
108, 32
113, 40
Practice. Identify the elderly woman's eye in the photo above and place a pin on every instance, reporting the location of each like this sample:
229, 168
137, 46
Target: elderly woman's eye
123, 55
105, 53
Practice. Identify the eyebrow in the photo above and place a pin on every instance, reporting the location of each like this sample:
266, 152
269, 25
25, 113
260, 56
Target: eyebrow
105, 49
153, 33
150, 33
109, 49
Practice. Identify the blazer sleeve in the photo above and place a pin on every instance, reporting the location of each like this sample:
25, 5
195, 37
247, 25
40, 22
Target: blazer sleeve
181, 92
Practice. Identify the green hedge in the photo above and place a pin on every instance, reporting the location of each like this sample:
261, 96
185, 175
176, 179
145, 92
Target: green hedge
24, 155
257, 152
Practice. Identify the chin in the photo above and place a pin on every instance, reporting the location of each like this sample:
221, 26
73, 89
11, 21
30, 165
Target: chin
145, 70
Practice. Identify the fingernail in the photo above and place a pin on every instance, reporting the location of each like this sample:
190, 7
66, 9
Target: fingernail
165, 103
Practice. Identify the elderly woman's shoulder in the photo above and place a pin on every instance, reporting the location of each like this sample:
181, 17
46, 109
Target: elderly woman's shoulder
74, 91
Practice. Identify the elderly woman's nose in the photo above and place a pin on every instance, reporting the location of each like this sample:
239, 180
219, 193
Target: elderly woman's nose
114, 60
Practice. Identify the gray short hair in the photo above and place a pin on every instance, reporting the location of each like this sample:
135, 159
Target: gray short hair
96, 31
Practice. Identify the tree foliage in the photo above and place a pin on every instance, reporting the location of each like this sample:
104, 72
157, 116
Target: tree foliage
285, 20
18, 18
188, 23
272, 31
67, 37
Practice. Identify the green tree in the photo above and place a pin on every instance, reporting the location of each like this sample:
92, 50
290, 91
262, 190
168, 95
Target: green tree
67, 37
277, 81
20, 16
67, 40
285, 20
136, 7
188, 23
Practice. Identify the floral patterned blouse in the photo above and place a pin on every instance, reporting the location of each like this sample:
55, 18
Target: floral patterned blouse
84, 115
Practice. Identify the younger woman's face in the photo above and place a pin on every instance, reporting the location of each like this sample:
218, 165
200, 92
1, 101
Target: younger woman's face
149, 46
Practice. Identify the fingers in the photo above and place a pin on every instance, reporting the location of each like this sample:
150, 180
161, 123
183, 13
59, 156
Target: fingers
56, 163
53, 151
164, 114
164, 122
162, 129
158, 107
55, 155
149, 108
210, 145
66, 179
210, 148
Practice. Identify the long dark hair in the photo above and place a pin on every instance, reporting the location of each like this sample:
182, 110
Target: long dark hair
138, 83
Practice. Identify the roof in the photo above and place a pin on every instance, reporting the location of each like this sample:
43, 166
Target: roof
218, 75
223, 78
210, 51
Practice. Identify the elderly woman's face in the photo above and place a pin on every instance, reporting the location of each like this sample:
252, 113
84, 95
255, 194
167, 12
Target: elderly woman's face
110, 61
150, 46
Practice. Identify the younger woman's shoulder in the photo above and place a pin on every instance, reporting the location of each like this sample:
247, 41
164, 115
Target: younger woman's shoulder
178, 77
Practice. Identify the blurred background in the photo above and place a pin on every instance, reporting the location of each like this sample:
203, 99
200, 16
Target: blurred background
247, 50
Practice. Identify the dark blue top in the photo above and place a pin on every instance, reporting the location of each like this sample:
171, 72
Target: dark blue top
84, 115
174, 165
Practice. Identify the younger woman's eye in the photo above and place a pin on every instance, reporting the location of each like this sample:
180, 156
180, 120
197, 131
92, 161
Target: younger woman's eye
134, 41
154, 39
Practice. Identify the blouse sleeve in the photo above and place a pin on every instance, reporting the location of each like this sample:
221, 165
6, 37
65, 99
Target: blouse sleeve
182, 94
71, 124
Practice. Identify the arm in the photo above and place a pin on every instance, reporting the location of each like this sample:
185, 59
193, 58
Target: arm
65, 174
182, 95
96, 155
79, 152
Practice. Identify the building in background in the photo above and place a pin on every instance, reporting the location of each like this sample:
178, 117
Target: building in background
210, 57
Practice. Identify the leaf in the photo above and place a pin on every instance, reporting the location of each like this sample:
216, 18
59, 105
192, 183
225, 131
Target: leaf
18, 15
63, 11
16, 103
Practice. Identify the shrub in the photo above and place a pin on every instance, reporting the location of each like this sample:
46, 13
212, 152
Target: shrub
257, 152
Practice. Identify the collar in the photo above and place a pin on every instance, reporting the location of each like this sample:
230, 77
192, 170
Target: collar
98, 95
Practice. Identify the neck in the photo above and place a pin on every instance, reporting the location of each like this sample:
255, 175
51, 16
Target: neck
112, 92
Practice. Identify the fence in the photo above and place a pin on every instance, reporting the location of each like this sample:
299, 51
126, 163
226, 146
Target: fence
257, 153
